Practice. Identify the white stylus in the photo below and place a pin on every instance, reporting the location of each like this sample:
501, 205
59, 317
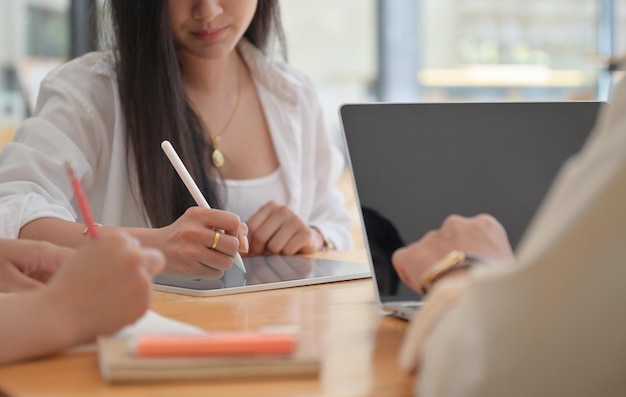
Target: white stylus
192, 187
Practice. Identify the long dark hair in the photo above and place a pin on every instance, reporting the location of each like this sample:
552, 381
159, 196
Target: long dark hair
156, 106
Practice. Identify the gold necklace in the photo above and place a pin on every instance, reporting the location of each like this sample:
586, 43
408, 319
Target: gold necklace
217, 156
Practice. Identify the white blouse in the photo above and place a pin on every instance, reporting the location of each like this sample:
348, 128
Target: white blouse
79, 117
244, 197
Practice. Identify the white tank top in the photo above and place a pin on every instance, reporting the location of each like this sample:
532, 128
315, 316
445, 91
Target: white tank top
244, 197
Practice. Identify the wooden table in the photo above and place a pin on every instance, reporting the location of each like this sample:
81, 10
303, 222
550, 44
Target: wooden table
357, 342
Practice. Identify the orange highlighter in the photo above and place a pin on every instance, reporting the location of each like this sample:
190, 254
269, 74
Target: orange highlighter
215, 344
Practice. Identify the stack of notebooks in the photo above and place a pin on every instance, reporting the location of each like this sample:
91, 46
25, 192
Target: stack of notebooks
120, 362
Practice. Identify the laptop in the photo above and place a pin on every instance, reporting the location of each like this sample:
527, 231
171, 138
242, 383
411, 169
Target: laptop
413, 164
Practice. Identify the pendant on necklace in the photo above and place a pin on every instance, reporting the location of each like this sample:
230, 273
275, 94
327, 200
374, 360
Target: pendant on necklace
218, 158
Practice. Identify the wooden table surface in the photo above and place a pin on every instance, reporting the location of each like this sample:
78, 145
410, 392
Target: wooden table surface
358, 345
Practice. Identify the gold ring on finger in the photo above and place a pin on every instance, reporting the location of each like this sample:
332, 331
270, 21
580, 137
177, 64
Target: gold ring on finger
216, 240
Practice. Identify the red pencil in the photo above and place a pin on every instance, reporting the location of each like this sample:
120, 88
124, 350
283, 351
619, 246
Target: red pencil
83, 204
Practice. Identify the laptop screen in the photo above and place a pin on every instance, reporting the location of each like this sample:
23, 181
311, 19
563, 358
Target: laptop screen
414, 164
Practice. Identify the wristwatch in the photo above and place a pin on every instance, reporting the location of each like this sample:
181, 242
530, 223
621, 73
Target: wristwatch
454, 260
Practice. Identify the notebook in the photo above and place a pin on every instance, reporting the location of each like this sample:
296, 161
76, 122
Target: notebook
119, 365
413, 164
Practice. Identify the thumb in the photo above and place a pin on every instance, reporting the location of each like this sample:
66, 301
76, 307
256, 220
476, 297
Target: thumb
154, 261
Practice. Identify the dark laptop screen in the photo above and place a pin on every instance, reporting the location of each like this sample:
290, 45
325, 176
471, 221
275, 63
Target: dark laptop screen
414, 164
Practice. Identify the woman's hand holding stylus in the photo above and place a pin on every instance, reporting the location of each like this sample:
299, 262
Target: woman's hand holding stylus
191, 246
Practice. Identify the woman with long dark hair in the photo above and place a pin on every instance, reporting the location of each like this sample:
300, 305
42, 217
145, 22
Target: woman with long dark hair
193, 72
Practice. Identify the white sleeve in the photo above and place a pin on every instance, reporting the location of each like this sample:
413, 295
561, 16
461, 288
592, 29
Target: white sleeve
554, 324
33, 178
329, 213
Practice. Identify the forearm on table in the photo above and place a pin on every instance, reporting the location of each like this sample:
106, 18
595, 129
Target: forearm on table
71, 234
54, 230
32, 326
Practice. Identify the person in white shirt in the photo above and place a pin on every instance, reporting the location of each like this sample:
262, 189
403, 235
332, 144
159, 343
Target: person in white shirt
548, 321
193, 72
60, 298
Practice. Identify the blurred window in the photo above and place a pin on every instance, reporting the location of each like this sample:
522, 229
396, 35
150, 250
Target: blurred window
357, 50
34, 38
509, 49
334, 43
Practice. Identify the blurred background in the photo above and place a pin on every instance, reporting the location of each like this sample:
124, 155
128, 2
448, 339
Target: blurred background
371, 50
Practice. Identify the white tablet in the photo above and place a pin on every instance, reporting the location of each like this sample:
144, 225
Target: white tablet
263, 273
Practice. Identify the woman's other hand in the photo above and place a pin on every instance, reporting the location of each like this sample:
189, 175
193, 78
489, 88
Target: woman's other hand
276, 229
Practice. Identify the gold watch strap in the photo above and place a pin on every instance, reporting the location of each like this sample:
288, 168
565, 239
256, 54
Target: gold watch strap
454, 260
